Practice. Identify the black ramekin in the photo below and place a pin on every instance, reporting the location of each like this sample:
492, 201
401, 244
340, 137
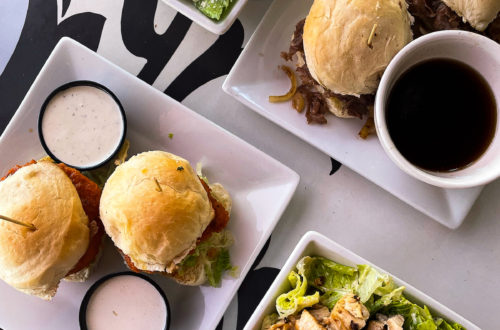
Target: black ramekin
93, 288
73, 84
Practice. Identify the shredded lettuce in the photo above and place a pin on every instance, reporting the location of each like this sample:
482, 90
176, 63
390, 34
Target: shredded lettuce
199, 167
218, 267
213, 256
212, 8
101, 174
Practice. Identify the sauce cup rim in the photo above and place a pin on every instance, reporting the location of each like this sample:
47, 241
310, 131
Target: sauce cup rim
90, 292
74, 84
390, 74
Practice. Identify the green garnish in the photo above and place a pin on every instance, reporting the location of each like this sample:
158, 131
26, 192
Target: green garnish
213, 9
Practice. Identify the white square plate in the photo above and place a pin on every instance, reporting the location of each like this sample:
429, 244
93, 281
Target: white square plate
255, 76
260, 186
315, 244
187, 8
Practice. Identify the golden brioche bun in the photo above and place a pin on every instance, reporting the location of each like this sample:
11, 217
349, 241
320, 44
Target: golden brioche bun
154, 208
478, 13
336, 34
35, 261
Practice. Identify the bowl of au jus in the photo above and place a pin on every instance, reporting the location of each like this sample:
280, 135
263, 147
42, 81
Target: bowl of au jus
123, 301
82, 124
437, 109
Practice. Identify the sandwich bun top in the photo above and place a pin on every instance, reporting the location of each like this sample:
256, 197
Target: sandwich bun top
336, 34
478, 13
154, 208
35, 261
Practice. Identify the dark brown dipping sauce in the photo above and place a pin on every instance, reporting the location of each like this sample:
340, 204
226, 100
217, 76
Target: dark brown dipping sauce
441, 115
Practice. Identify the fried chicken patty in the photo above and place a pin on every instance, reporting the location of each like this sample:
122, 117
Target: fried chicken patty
90, 195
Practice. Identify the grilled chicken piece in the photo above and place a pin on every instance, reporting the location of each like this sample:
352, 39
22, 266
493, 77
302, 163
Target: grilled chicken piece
349, 314
288, 323
396, 322
308, 322
320, 313
382, 322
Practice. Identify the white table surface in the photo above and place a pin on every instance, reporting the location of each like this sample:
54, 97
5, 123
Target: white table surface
459, 268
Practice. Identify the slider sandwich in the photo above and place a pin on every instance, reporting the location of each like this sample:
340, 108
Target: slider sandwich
166, 219
341, 50
63, 206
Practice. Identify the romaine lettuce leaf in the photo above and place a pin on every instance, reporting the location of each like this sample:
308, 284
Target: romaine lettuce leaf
416, 317
369, 280
212, 8
295, 299
330, 277
376, 290
375, 305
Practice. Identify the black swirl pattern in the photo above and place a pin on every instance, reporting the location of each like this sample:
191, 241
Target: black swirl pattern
38, 38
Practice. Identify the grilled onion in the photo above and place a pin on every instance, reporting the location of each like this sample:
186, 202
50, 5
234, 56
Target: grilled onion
293, 88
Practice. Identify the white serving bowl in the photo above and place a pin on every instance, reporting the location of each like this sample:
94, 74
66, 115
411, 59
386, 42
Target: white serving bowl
477, 51
187, 8
315, 244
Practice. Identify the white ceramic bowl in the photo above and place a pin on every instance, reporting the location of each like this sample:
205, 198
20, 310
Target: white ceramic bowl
315, 244
477, 51
187, 8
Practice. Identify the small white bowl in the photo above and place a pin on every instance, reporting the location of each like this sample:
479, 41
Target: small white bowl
315, 244
187, 8
480, 53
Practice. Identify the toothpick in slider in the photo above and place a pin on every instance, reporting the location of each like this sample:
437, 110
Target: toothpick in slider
372, 34
17, 222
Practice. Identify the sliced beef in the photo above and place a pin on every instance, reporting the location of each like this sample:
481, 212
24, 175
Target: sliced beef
434, 15
317, 106
493, 30
296, 44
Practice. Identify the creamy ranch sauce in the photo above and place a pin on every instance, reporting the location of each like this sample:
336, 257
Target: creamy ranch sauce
126, 302
82, 125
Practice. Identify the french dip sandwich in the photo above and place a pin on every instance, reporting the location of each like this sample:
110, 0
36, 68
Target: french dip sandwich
63, 206
164, 218
342, 47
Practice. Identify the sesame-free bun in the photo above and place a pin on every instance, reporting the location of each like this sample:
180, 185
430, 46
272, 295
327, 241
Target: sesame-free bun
478, 13
336, 34
154, 208
35, 261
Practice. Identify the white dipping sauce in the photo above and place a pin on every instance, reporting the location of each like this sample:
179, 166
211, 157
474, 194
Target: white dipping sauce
126, 302
82, 126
